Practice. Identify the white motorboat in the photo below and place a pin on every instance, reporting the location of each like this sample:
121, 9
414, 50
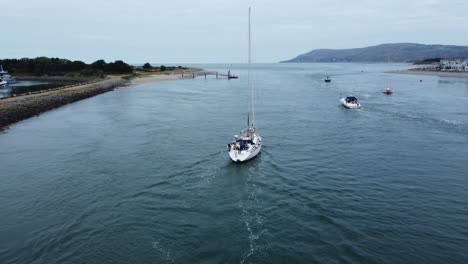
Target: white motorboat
6, 77
2, 83
350, 102
248, 144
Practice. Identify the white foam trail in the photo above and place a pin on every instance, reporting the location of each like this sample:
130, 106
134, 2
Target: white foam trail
252, 220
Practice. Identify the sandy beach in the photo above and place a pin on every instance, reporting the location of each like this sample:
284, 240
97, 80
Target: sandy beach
433, 73
159, 77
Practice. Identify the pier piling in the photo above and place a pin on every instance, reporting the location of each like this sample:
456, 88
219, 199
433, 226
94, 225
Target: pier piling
206, 74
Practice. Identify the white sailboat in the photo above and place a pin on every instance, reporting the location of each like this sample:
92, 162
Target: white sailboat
248, 143
388, 90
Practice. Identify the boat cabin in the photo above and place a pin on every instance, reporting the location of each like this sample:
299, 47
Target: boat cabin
351, 99
245, 141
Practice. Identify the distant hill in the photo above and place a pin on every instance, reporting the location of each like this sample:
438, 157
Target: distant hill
396, 52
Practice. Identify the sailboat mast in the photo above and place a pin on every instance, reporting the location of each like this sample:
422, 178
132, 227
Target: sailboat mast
248, 76
250, 57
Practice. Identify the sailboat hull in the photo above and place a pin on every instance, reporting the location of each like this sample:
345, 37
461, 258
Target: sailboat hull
245, 155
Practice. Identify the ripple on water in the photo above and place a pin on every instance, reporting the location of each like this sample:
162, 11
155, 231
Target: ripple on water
142, 175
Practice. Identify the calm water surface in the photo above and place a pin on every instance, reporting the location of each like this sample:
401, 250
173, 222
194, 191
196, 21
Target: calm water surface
142, 175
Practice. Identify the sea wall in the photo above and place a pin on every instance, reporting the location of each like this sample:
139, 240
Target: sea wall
18, 108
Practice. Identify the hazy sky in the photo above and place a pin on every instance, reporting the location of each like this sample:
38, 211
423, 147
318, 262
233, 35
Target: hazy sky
197, 31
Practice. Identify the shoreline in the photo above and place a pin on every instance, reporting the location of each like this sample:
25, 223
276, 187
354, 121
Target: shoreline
432, 73
17, 108
158, 77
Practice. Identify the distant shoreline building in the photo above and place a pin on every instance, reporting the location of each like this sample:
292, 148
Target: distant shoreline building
457, 65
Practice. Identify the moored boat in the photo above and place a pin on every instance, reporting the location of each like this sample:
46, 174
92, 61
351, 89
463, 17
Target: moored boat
387, 91
5, 76
232, 76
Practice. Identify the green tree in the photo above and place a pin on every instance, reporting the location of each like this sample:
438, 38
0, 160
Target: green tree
60, 67
147, 66
98, 65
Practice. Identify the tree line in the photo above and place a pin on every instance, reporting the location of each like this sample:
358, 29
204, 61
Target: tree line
63, 67
149, 67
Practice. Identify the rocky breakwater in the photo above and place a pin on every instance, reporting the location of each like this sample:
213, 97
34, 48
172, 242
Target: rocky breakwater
18, 108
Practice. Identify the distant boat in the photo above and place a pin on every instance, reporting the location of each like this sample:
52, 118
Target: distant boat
387, 91
350, 102
248, 143
2, 84
231, 76
327, 79
6, 77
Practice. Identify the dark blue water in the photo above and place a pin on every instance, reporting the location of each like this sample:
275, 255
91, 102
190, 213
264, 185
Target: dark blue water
141, 175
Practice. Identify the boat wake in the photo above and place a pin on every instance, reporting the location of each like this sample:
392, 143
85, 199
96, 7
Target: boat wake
448, 124
250, 207
164, 251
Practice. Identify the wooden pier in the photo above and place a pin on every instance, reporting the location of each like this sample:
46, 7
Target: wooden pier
206, 74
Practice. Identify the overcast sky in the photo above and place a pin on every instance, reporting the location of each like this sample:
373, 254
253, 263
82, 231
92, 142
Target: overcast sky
198, 31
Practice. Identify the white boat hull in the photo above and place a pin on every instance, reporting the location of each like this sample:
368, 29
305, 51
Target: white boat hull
245, 155
247, 152
349, 105
4, 76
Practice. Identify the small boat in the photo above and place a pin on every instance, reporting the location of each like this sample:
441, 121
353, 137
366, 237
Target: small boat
387, 91
350, 102
6, 77
231, 76
2, 83
327, 79
248, 144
